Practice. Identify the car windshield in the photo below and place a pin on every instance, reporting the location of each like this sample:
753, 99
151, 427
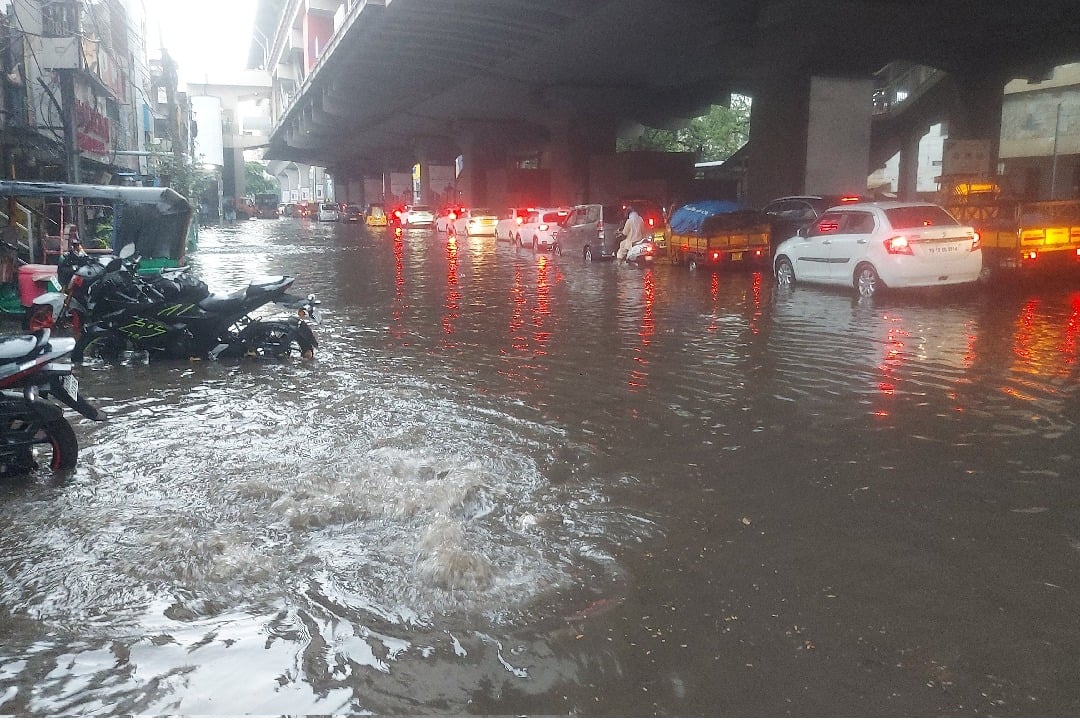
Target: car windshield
476, 212
421, 208
917, 216
329, 207
555, 216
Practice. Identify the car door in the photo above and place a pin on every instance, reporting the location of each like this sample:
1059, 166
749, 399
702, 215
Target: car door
574, 239
848, 247
811, 253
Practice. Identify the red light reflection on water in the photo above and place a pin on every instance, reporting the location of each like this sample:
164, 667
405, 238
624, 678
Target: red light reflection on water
543, 305
453, 294
892, 362
399, 286
639, 375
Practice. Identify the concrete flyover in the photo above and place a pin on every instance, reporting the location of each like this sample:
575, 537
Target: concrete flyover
400, 81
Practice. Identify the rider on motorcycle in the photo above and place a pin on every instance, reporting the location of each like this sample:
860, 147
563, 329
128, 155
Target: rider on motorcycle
633, 230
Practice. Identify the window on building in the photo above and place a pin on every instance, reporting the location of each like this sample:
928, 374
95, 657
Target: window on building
60, 19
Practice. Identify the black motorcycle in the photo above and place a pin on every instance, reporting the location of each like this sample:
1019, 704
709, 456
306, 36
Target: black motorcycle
32, 369
171, 317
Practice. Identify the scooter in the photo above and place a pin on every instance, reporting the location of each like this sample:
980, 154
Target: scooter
642, 251
31, 370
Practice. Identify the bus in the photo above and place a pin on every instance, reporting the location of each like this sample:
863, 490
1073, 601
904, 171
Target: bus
266, 205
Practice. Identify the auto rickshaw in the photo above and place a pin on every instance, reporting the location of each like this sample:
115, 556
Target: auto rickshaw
376, 215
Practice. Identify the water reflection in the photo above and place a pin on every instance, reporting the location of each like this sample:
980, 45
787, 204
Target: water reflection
516, 483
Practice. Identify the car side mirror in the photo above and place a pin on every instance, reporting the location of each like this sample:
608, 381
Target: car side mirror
127, 251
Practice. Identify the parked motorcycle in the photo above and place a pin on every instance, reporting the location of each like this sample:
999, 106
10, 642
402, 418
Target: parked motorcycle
32, 370
165, 317
67, 306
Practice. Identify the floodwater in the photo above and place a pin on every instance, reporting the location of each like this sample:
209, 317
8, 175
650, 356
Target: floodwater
519, 484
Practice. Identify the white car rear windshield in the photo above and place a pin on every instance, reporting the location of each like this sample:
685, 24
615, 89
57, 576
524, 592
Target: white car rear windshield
918, 216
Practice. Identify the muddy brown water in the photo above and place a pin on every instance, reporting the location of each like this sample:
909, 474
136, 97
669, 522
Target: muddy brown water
521, 484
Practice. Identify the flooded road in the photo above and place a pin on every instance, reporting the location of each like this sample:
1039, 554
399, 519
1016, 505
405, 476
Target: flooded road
519, 484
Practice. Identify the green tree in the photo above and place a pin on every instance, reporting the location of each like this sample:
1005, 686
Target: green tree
717, 135
256, 180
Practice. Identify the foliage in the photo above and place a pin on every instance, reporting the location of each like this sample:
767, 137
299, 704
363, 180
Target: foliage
184, 175
711, 137
256, 180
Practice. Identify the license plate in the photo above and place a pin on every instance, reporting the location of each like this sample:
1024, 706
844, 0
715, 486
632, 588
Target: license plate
736, 256
71, 386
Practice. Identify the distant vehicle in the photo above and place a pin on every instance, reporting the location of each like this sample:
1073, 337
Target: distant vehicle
540, 230
375, 215
475, 221
445, 219
266, 205
328, 212
868, 246
415, 216
352, 213
508, 223
590, 230
788, 215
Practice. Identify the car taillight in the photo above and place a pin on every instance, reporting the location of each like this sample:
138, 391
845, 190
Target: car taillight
518, 220
652, 222
898, 245
976, 241
600, 230
1030, 254
453, 216
542, 227
716, 256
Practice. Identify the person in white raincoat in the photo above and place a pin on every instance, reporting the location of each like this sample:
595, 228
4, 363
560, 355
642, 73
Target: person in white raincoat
633, 230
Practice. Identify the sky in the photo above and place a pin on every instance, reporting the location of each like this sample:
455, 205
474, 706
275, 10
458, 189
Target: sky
203, 36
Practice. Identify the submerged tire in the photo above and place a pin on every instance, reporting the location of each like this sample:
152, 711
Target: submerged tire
866, 281
104, 345
784, 273
43, 438
278, 341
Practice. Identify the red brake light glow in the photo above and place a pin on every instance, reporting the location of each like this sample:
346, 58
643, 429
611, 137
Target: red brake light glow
976, 241
898, 245
850, 199
542, 227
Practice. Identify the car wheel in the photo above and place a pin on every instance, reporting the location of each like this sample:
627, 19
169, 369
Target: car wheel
867, 282
693, 264
588, 254
785, 273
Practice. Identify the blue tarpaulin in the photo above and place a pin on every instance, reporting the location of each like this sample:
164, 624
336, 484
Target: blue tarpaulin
690, 219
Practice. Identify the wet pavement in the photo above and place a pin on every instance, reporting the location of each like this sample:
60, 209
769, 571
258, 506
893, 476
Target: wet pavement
521, 484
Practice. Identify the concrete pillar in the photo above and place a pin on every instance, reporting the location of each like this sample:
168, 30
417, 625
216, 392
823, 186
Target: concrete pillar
908, 182
482, 148
809, 135
567, 156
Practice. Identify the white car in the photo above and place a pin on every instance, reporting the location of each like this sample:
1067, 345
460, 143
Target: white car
475, 221
328, 212
540, 230
417, 216
509, 221
867, 246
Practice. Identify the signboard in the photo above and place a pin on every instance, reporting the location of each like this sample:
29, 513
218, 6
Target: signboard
966, 157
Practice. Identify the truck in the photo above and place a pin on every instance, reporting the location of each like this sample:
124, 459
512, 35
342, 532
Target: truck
1017, 236
718, 233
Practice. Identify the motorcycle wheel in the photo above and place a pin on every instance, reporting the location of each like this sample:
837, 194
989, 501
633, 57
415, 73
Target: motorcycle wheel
38, 317
36, 435
276, 342
104, 345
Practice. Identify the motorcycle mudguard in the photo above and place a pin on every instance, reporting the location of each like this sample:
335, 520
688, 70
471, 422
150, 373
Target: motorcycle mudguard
55, 300
79, 405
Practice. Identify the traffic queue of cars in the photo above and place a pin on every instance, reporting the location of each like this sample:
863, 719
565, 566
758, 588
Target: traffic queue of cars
843, 240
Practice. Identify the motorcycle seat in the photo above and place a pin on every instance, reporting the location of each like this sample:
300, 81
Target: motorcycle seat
218, 302
13, 347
